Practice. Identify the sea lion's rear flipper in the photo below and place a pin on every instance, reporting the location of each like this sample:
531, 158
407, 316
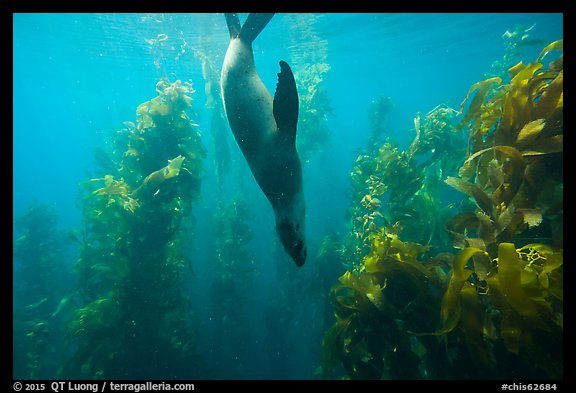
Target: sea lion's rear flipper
253, 25
286, 103
233, 24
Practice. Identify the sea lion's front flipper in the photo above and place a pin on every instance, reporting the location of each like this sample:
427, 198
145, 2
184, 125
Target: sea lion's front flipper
286, 102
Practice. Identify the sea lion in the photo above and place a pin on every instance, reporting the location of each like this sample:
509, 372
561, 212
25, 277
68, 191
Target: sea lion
265, 130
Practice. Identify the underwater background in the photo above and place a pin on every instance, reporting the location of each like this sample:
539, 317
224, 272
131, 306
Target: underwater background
432, 171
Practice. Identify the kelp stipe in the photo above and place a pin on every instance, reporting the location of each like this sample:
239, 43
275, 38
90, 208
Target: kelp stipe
134, 319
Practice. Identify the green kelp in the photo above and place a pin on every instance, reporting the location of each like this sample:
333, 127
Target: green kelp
392, 292
41, 274
495, 305
514, 169
399, 189
397, 286
508, 309
514, 175
132, 265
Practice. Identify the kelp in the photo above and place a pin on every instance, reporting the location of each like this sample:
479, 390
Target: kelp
399, 189
513, 300
509, 164
41, 277
496, 304
482, 89
132, 264
509, 181
375, 307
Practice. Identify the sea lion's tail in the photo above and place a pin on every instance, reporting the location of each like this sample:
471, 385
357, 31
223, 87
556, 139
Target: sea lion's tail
253, 25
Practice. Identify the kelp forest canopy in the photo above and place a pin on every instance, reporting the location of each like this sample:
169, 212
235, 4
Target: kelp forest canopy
469, 290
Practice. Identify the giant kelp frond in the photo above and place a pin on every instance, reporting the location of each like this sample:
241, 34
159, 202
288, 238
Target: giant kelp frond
533, 94
499, 300
517, 165
132, 264
376, 306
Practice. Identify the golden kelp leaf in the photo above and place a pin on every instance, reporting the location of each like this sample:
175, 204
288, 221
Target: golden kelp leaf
495, 173
483, 88
486, 230
364, 285
530, 131
517, 108
450, 308
173, 167
472, 322
482, 265
543, 280
482, 200
557, 65
153, 181
508, 150
511, 330
556, 45
467, 170
459, 226
476, 243
332, 344
514, 70
553, 144
509, 275
513, 170
505, 217
552, 97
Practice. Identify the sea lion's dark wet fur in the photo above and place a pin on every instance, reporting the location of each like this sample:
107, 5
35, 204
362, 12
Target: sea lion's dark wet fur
265, 130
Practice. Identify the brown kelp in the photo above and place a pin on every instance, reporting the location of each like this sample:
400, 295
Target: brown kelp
134, 319
399, 189
40, 276
514, 236
492, 306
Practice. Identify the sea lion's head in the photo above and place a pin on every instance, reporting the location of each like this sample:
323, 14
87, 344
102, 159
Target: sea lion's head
290, 229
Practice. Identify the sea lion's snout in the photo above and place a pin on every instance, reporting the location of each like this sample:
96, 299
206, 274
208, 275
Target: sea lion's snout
292, 238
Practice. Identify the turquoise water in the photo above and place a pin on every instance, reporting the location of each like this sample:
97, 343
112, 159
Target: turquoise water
78, 77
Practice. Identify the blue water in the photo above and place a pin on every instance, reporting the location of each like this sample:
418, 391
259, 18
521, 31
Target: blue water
77, 77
